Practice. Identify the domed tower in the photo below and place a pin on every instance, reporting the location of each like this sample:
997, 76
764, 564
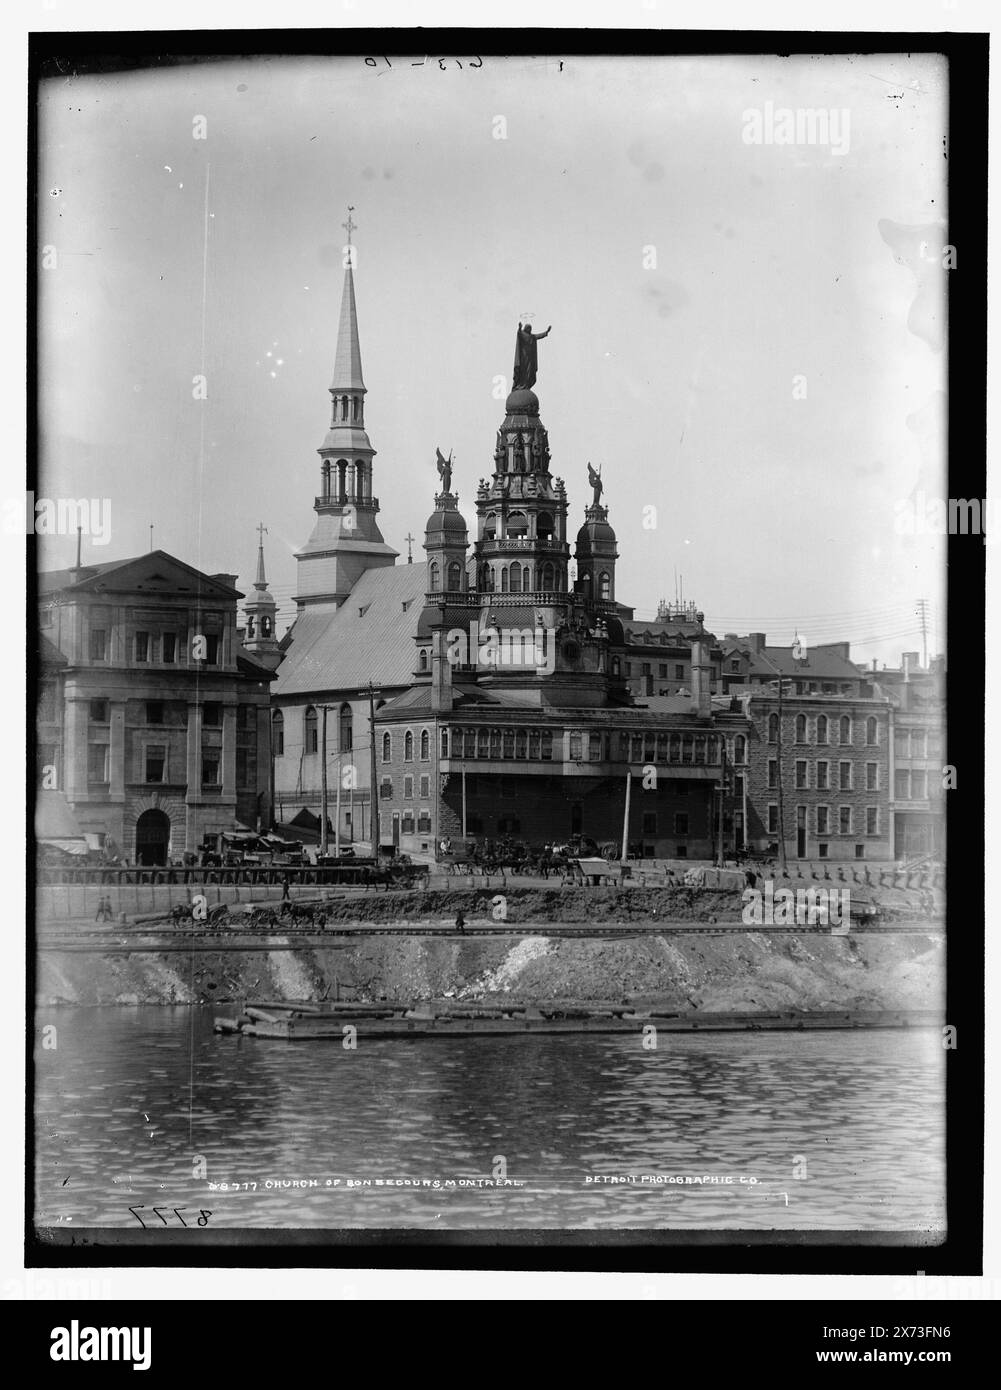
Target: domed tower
596, 552
260, 611
346, 539
446, 541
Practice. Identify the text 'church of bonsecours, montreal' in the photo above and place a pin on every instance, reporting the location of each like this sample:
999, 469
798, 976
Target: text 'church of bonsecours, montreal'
505, 696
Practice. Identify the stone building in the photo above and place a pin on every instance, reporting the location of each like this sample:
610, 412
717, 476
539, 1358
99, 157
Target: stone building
153, 719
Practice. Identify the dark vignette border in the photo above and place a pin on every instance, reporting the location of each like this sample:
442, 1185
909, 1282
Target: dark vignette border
55, 55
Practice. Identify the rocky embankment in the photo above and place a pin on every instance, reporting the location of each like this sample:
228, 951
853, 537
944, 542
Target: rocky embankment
742, 970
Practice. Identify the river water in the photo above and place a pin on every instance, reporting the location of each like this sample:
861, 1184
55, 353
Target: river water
147, 1107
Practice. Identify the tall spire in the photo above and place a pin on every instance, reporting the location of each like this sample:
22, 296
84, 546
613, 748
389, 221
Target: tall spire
347, 364
261, 582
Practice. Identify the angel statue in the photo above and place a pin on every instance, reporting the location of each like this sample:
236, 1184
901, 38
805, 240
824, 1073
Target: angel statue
595, 481
445, 470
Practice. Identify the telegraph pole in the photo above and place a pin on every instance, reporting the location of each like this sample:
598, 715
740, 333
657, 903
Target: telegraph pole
323, 779
922, 612
374, 793
778, 754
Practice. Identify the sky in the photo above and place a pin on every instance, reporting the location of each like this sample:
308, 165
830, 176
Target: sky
749, 338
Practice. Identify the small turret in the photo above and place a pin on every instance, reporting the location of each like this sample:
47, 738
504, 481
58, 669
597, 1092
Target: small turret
260, 614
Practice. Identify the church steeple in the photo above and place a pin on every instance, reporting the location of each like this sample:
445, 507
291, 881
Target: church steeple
346, 540
260, 612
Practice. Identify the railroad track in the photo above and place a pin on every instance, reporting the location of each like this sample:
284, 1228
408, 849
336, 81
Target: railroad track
129, 940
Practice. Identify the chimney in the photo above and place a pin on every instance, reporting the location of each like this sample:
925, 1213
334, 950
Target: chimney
701, 671
756, 642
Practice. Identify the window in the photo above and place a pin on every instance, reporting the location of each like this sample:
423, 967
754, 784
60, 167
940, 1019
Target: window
507, 743
871, 731
407, 823
823, 776
408, 747
515, 578
386, 788
822, 728
734, 668
425, 745
773, 773
387, 748
454, 577
679, 673
845, 729
278, 733
801, 728
99, 711
604, 584
408, 787
154, 711
576, 748
860, 851
645, 669
98, 644
845, 776
845, 820
142, 646
773, 818
919, 785
872, 820
823, 820
434, 576
210, 767
422, 659
424, 821
872, 777
740, 749
594, 747
822, 851
546, 750
680, 822
212, 715
444, 743
918, 743
425, 785
649, 822
168, 648
902, 784
773, 728
345, 724
242, 767
801, 778
97, 762
495, 743
311, 742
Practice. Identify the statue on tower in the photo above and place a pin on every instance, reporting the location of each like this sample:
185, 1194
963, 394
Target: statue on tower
595, 480
526, 357
445, 470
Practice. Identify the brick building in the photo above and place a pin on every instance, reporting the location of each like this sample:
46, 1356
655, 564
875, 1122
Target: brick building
153, 719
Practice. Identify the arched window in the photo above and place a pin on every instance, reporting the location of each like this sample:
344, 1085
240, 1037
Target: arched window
871, 730
278, 733
250, 626
342, 473
605, 585
387, 748
821, 728
345, 724
434, 576
344, 407
444, 743
801, 728
357, 405
544, 526
773, 728
504, 579
740, 749
517, 525
585, 580
408, 747
454, 577
425, 745
422, 659
482, 743
616, 666
548, 576
845, 729
311, 743
490, 526
516, 578
265, 626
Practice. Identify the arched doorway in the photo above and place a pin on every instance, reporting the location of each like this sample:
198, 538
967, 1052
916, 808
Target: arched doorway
152, 837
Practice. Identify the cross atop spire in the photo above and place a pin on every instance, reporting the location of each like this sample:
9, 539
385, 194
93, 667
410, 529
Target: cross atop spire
350, 224
260, 582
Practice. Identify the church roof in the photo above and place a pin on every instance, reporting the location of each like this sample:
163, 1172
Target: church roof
369, 638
